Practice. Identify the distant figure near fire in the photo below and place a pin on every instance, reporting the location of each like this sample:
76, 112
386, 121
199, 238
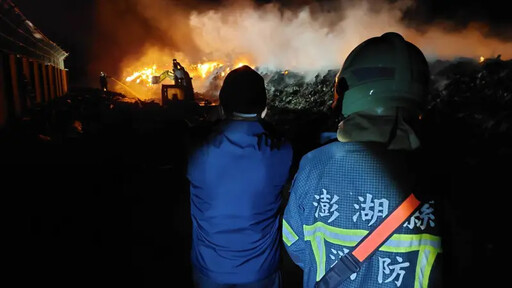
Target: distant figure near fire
182, 78
179, 72
103, 81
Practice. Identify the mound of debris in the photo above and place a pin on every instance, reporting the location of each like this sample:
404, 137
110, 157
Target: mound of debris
290, 90
468, 133
470, 103
471, 107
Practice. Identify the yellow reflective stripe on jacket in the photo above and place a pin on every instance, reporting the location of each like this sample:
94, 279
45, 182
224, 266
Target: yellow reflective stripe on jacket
426, 259
427, 245
289, 237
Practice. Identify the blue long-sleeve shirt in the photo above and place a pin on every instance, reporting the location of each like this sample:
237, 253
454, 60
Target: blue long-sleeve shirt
235, 194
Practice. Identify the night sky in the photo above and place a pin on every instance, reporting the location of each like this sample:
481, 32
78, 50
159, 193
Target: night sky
72, 24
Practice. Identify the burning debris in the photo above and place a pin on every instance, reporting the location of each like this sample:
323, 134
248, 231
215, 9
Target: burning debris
143, 76
474, 99
294, 91
208, 76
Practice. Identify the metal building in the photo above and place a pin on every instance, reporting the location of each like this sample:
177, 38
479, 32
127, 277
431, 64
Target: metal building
31, 65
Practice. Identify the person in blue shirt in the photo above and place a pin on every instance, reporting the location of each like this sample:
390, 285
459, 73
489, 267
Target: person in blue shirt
344, 189
236, 177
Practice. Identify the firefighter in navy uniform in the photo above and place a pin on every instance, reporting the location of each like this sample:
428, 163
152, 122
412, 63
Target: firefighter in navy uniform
344, 189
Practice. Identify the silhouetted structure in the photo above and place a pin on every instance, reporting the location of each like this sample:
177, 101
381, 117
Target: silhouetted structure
28, 59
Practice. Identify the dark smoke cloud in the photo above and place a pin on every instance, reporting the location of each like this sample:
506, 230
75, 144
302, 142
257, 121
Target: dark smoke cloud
458, 14
126, 27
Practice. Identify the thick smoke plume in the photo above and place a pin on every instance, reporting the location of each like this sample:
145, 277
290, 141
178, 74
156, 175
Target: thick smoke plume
307, 40
310, 37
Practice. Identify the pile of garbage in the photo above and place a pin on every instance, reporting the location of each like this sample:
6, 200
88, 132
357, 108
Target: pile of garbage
471, 107
290, 90
470, 104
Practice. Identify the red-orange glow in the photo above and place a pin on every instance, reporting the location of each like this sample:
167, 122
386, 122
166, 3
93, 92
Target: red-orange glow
137, 73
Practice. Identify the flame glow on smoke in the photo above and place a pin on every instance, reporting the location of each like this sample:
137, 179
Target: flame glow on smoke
209, 41
143, 75
206, 76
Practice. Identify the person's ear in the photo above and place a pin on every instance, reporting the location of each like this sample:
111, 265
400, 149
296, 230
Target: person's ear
222, 113
264, 113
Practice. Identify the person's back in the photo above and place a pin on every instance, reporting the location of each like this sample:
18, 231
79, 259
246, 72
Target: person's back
236, 179
346, 188
355, 185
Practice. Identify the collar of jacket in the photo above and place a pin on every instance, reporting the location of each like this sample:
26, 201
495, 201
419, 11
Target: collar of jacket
243, 116
327, 137
368, 127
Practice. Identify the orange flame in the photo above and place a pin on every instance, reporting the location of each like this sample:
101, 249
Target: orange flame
144, 75
207, 76
204, 69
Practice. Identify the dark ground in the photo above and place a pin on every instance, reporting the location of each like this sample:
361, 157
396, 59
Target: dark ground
105, 207
96, 195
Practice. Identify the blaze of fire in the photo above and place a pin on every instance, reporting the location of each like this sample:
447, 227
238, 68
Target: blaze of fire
204, 69
240, 64
482, 59
206, 76
143, 75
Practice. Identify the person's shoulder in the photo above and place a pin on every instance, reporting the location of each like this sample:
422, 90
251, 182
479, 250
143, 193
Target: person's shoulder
320, 154
326, 149
201, 136
276, 139
329, 153
284, 144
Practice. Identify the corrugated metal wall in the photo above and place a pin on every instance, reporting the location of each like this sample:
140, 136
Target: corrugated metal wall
31, 66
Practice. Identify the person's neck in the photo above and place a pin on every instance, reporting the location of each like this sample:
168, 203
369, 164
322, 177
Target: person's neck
367, 127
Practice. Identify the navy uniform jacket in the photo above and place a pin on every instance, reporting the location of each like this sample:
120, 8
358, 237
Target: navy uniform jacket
340, 192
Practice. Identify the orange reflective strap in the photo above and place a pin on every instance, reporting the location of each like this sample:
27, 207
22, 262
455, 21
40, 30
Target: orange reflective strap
386, 228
